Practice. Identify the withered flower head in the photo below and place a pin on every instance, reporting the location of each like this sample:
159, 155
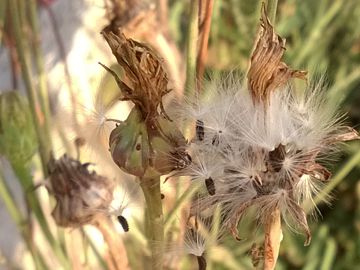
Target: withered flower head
80, 194
147, 142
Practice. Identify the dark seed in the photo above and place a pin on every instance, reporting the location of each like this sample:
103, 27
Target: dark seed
200, 133
138, 147
276, 157
123, 222
210, 186
215, 141
162, 196
201, 262
188, 158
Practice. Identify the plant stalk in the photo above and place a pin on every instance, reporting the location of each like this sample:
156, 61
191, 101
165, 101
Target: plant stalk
39, 63
203, 48
271, 10
19, 220
273, 237
155, 222
191, 48
36, 110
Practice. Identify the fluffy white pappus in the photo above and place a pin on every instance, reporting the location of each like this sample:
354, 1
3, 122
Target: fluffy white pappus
307, 188
194, 242
317, 119
206, 163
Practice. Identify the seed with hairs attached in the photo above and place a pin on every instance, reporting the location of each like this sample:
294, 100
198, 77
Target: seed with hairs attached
200, 133
123, 222
210, 186
276, 157
201, 262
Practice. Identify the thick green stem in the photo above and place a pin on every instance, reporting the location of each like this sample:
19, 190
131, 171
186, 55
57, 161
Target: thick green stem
155, 222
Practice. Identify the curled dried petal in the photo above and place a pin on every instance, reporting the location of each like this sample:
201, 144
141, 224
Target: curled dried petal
267, 72
147, 79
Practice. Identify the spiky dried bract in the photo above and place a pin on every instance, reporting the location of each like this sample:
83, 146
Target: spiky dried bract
80, 194
268, 159
267, 72
147, 78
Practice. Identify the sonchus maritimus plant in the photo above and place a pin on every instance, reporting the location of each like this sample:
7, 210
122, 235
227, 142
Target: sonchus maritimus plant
263, 145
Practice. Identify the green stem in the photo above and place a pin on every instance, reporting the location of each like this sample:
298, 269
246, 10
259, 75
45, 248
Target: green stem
37, 114
180, 201
155, 222
191, 48
39, 63
25, 180
271, 10
317, 33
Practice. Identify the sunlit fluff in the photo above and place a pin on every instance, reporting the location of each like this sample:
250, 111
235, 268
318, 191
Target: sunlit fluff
268, 156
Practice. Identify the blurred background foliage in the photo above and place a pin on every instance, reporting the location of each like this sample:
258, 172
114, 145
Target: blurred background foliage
322, 36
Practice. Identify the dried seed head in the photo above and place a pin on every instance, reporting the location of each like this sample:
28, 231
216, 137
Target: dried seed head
80, 194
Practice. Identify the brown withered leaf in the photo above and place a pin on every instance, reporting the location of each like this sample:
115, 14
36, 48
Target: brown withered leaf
147, 79
267, 72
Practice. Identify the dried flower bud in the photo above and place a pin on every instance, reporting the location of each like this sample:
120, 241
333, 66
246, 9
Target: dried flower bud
147, 142
80, 194
147, 78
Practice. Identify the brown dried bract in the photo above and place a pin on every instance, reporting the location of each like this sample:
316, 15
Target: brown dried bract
147, 79
266, 71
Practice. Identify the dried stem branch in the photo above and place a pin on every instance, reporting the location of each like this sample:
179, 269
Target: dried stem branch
204, 38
